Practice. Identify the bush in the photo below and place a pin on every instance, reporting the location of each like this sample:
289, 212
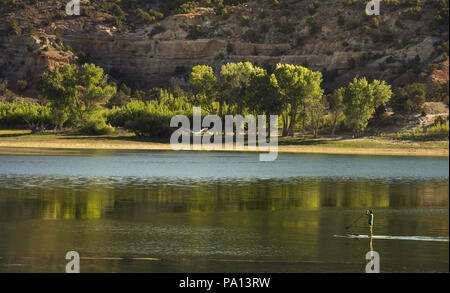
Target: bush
13, 28
150, 118
220, 9
22, 85
150, 124
97, 126
144, 17
409, 98
187, 7
245, 21
32, 116
439, 130
194, 31
414, 13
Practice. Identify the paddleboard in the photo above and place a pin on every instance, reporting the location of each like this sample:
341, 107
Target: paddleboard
413, 238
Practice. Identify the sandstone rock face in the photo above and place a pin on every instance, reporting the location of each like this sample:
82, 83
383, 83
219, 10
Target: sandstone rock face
147, 62
144, 57
152, 62
23, 58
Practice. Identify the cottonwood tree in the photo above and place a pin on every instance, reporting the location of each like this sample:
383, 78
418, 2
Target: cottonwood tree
262, 97
73, 92
234, 78
336, 106
296, 85
361, 99
315, 108
205, 83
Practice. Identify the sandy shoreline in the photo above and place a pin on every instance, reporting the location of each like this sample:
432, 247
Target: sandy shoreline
45, 147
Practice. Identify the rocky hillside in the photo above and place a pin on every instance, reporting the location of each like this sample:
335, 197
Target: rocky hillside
155, 43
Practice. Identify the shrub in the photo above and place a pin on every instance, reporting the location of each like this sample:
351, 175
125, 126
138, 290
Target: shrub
375, 23
187, 7
150, 118
150, 124
194, 31
220, 9
13, 28
117, 11
22, 85
58, 15
414, 13
409, 98
25, 115
245, 21
439, 130
29, 30
144, 17
96, 126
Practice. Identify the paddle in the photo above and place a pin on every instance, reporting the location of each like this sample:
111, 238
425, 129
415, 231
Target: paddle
346, 228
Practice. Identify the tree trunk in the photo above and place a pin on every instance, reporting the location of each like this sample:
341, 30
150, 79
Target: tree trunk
285, 131
293, 114
333, 129
220, 109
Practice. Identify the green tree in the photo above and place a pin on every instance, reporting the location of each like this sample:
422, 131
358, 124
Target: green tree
233, 79
295, 84
409, 98
361, 99
336, 105
96, 88
261, 96
74, 92
205, 83
315, 108
59, 86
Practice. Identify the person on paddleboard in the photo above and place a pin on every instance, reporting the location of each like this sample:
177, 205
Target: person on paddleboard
369, 214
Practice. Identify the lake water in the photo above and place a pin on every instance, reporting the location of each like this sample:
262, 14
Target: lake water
221, 212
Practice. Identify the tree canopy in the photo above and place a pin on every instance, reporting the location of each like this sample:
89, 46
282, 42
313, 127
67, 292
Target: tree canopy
361, 99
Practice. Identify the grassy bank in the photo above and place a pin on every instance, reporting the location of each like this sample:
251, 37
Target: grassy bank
22, 141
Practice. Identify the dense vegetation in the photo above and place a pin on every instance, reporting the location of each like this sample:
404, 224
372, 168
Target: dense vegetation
81, 98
